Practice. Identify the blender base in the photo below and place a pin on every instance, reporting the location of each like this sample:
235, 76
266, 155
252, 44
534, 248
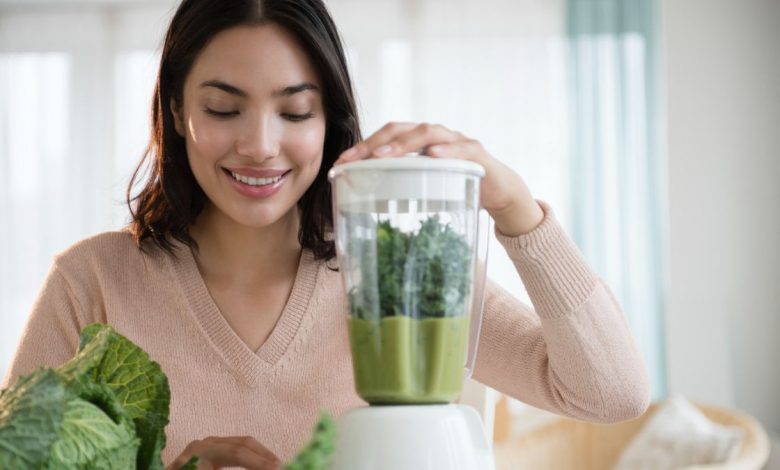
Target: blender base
412, 437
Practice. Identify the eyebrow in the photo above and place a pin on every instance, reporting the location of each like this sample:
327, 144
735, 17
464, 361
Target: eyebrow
284, 92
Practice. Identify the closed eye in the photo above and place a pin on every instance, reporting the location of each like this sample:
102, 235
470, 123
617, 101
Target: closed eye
297, 117
222, 114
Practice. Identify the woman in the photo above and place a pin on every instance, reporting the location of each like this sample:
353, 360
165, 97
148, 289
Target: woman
223, 274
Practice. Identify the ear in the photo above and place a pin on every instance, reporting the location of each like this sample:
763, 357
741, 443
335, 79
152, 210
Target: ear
178, 123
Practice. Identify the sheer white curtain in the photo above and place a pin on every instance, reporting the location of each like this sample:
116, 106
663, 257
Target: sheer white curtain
75, 94
618, 203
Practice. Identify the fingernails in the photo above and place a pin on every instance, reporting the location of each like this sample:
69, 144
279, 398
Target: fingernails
383, 150
434, 149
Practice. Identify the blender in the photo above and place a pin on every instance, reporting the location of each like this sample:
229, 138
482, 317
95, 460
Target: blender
409, 233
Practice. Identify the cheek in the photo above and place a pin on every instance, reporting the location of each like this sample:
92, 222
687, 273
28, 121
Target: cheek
307, 144
207, 138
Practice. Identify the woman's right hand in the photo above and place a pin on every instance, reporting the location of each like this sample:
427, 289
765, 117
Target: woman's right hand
221, 452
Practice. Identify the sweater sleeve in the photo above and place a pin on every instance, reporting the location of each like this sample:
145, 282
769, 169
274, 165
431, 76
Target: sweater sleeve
51, 335
574, 354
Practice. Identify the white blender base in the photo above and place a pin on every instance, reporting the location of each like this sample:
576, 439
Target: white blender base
412, 437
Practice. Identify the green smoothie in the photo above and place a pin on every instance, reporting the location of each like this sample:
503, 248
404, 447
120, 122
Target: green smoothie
403, 360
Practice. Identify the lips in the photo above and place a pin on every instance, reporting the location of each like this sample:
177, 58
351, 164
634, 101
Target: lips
257, 173
257, 187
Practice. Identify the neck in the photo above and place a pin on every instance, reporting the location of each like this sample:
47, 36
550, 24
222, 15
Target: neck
233, 254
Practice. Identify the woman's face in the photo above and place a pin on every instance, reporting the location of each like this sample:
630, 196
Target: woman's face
254, 124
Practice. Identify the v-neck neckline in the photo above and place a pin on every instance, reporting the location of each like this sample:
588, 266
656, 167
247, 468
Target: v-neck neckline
250, 365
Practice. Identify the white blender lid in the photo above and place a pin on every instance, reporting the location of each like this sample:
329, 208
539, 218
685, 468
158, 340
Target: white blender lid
382, 184
410, 162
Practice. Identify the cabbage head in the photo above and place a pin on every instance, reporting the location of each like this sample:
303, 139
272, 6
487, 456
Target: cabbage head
104, 409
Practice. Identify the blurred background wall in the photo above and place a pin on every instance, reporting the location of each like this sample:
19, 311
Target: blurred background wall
722, 62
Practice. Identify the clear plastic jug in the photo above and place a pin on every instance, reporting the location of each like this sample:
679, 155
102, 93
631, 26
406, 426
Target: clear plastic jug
408, 237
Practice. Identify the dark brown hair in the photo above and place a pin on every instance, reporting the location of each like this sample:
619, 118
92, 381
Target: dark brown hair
171, 198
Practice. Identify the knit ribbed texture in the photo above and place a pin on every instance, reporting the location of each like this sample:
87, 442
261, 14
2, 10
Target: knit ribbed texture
551, 267
575, 356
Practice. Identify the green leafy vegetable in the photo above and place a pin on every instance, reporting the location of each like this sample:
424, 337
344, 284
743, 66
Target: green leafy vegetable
89, 439
423, 275
104, 409
138, 383
192, 464
317, 454
30, 416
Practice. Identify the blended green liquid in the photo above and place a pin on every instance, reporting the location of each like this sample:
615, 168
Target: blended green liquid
402, 360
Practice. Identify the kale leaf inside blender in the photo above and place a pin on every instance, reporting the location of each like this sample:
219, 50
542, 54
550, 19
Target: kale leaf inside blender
424, 274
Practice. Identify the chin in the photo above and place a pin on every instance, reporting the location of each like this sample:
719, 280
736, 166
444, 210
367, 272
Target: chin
265, 219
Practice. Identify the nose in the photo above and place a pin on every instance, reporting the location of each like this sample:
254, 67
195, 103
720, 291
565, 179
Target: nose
259, 139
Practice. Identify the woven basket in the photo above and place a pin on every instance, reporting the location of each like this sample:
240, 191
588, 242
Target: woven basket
566, 444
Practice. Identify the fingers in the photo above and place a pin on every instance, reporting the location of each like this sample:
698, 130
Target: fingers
220, 452
227, 454
189, 452
396, 139
378, 139
252, 449
467, 149
420, 138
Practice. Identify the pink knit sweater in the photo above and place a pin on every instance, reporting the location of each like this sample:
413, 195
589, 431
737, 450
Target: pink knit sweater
573, 355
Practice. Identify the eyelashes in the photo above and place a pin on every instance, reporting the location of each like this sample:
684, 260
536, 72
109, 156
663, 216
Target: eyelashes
222, 114
228, 114
297, 117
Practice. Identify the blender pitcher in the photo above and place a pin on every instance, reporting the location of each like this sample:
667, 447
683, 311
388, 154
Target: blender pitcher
408, 233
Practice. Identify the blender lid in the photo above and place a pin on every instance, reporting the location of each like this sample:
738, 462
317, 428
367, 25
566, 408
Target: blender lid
410, 162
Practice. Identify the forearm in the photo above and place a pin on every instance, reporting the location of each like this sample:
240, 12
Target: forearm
583, 364
522, 216
574, 354
517, 213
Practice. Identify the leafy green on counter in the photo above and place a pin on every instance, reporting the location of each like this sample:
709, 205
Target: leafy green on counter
104, 409
317, 454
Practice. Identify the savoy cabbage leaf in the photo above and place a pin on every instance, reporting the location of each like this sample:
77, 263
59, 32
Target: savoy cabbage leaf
30, 416
138, 383
90, 439
104, 409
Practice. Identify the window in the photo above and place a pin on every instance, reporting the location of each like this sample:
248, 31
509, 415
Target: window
74, 121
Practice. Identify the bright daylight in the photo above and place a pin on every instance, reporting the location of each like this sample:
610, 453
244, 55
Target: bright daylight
389, 234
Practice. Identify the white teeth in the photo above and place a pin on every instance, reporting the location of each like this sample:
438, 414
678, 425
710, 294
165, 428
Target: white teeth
255, 181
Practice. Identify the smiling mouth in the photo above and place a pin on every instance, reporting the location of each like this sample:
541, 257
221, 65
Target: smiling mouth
256, 182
